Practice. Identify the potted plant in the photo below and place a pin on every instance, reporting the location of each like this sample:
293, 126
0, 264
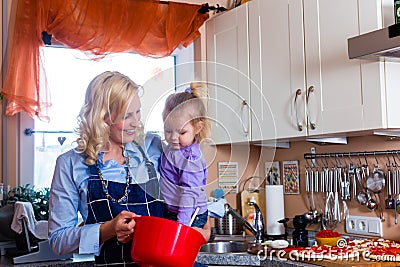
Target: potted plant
39, 198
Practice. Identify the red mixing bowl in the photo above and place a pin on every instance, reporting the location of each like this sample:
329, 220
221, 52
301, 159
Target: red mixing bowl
164, 243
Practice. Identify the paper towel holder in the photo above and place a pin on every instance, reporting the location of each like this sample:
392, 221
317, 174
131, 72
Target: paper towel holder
282, 236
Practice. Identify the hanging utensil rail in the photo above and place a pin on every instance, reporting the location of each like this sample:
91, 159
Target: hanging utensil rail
354, 176
350, 154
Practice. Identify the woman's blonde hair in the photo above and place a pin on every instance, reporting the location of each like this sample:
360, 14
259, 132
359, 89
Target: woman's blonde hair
193, 102
107, 97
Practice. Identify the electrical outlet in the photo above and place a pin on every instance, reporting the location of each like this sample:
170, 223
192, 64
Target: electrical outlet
363, 225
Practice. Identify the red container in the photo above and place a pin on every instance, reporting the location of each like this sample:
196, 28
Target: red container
160, 242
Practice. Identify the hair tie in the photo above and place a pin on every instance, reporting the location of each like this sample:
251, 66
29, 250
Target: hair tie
188, 90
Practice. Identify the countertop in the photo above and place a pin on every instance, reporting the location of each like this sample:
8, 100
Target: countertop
237, 259
246, 259
241, 259
76, 261
234, 259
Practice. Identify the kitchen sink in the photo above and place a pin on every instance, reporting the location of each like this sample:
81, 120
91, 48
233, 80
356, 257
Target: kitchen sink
225, 247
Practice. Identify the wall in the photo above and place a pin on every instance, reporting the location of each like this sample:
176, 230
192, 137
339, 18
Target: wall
297, 204
9, 125
251, 157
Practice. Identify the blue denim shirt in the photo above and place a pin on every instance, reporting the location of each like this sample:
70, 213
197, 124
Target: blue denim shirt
68, 195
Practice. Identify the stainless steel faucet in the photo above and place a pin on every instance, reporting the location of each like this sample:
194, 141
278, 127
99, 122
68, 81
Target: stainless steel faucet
258, 229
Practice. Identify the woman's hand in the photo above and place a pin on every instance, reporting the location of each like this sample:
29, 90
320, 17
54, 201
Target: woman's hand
206, 230
121, 226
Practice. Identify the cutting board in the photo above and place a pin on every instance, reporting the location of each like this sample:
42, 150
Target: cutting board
259, 197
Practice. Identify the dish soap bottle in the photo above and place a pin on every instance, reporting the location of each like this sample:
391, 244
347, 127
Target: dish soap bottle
250, 214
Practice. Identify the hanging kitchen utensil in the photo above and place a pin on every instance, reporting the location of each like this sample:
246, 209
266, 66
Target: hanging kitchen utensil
338, 205
376, 181
364, 197
389, 202
371, 203
361, 196
352, 180
375, 184
328, 220
395, 177
310, 215
345, 186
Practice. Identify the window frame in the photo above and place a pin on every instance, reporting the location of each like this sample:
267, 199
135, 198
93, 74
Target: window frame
22, 148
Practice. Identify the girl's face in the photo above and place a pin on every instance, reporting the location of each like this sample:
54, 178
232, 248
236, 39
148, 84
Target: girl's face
124, 131
179, 131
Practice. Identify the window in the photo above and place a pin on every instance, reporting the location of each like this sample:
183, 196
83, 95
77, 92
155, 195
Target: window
69, 73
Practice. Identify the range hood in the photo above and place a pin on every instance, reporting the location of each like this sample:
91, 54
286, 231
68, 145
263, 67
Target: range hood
380, 44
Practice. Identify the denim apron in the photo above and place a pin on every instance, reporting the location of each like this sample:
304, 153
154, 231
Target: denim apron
140, 200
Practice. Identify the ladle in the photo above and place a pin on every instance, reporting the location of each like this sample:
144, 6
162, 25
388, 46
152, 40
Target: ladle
371, 203
363, 197
375, 184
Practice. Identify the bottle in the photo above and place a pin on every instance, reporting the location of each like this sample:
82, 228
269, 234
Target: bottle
250, 214
397, 11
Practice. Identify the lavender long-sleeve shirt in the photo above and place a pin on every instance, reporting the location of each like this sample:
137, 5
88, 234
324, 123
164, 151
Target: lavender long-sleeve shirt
183, 179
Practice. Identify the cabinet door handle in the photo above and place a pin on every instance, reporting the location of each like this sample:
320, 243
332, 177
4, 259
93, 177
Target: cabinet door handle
312, 124
245, 129
298, 123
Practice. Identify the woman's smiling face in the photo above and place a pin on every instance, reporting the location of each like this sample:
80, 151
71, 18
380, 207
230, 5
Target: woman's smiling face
124, 131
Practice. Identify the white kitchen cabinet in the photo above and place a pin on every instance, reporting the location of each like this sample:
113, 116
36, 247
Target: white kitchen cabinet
298, 49
272, 94
350, 96
335, 104
227, 72
302, 82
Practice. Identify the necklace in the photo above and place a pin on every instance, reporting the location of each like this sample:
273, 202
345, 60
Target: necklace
124, 198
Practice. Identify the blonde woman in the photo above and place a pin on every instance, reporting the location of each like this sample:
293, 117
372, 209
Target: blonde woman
105, 176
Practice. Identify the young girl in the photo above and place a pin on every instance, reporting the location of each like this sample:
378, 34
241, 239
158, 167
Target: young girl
183, 168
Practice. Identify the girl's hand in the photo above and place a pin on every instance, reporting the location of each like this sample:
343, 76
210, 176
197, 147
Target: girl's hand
121, 226
206, 230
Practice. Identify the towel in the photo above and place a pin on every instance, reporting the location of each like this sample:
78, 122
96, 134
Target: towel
217, 209
23, 211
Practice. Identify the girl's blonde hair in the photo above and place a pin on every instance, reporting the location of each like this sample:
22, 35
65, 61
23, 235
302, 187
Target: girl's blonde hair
107, 97
193, 102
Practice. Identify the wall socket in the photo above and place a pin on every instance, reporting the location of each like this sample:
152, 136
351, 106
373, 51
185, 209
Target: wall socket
363, 225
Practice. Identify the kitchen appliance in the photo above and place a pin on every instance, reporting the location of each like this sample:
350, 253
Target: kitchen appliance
300, 234
164, 243
383, 43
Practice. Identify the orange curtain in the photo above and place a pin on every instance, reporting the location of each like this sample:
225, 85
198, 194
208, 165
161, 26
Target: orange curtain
147, 27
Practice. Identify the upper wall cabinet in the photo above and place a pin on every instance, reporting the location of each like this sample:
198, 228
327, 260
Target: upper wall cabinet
278, 111
228, 76
301, 81
329, 81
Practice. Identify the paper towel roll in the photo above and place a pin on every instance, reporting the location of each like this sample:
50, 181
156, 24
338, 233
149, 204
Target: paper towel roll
275, 209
